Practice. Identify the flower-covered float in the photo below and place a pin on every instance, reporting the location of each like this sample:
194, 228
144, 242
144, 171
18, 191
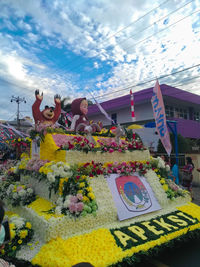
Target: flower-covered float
74, 189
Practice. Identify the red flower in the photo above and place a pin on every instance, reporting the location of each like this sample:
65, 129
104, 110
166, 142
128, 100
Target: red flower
111, 150
99, 171
86, 164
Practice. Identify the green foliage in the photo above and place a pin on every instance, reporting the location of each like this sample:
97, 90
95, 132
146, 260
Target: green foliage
183, 144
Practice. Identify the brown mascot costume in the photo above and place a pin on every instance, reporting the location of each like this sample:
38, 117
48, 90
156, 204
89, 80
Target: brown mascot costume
50, 114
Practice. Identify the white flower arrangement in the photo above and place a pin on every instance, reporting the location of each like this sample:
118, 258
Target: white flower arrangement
161, 163
19, 194
59, 169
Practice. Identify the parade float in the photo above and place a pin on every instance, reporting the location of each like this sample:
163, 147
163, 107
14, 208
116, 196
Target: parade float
94, 195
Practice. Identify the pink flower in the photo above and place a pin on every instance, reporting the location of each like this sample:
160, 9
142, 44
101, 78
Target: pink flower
79, 206
72, 207
111, 150
73, 199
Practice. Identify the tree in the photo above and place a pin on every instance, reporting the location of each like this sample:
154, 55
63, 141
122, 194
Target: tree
183, 144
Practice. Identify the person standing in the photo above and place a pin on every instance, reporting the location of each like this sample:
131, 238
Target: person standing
188, 169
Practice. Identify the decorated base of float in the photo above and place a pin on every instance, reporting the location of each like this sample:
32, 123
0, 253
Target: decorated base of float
105, 203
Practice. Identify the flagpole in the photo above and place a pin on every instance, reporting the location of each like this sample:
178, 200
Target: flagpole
132, 111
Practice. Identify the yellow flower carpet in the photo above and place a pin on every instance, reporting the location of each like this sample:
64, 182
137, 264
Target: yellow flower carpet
104, 247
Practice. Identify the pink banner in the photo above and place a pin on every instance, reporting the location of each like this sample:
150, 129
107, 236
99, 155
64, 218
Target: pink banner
160, 118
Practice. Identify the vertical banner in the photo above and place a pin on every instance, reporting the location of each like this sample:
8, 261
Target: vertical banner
132, 195
160, 118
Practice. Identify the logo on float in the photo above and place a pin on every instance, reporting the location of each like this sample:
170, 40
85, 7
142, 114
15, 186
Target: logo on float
133, 193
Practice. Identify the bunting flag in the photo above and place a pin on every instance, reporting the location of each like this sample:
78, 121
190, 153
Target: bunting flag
132, 107
160, 118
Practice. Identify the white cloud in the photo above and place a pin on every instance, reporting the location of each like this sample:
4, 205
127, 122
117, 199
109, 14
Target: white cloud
96, 30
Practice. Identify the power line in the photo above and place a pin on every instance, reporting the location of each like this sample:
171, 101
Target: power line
78, 65
116, 33
130, 86
154, 79
165, 28
145, 39
136, 21
160, 31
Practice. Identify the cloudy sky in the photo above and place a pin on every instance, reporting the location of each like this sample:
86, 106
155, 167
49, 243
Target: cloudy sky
100, 47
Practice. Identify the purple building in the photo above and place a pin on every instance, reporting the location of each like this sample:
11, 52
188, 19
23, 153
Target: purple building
180, 106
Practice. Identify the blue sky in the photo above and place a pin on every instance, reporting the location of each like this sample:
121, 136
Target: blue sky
104, 47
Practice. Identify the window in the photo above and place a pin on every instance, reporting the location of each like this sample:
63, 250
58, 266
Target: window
197, 116
114, 118
175, 112
169, 111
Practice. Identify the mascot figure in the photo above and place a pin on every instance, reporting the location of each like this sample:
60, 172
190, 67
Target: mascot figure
80, 122
49, 115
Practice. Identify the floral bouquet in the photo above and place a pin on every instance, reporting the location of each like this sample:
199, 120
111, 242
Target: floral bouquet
19, 194
21, 233
72, 185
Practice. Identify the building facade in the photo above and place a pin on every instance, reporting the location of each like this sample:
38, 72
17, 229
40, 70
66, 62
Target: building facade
180, 106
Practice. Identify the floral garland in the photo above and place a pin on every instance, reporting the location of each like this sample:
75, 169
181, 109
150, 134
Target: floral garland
80, 143
21, 233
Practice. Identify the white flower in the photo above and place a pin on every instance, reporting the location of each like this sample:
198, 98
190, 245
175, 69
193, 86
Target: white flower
63, 174
11, 186
30, 190
18, 221
167, 168
60, 169
68, 173
58, 210
66, 167
22, 193
15, 195
161, 163
54, 167
50, 177
59, 201
56, 173
66, 203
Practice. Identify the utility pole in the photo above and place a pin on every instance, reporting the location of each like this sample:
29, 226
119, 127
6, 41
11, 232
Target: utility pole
18, 100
